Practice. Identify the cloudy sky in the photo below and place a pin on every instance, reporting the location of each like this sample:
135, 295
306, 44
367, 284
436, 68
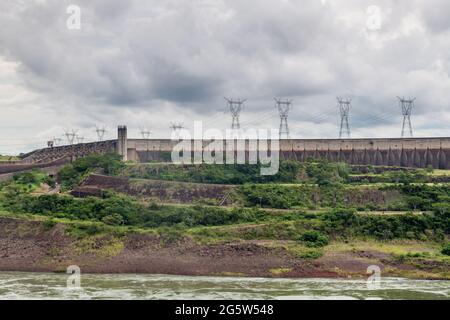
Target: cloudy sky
147, 63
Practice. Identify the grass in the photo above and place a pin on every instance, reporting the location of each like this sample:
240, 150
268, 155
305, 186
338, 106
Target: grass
78, 228
440, 173
394, 247
9, 158
277, 229
280, 271
104, 246
102, 241
295, 249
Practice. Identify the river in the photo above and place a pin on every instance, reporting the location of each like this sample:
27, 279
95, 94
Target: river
18, 285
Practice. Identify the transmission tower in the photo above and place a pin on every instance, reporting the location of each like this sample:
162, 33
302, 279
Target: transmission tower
344, 109
100, 132
80, 139
145, 133
176, 128
70, 136
283, 109
57, 142
407, 105
235, 106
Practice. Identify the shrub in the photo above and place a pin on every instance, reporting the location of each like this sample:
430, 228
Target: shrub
446, 249
221, 174
49, 224
171, 235
113, 219
25, 178
73, 173
50, 181
93, 229
311, 254
314, 239
327, 174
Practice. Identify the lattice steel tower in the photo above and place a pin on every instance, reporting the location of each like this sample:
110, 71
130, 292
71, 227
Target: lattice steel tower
100, 132
235, 107
57, 142
80, 139
407, 105
145, 133
344, 109
283, 109
70, 136
176, 126
176, 129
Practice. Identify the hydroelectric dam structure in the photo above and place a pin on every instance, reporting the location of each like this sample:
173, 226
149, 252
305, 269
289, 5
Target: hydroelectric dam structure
403, 152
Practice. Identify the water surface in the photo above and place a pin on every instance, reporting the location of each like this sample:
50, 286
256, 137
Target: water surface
18, 285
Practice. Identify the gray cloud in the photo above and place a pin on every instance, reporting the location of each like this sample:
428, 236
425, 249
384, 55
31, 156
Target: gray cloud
157, 61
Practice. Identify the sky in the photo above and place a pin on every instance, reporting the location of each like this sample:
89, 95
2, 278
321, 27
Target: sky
147, 63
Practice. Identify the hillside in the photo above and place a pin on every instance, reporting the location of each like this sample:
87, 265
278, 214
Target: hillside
313, 219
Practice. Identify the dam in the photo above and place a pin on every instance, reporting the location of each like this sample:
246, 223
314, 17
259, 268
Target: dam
404, 152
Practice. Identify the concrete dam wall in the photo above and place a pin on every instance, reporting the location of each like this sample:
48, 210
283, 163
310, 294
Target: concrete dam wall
56, 156
411, 152
418, 152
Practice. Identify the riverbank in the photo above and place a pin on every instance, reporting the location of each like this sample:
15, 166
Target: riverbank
308, 221
33, 243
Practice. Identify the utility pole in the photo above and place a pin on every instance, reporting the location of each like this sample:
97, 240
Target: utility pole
235, 106
344, 109
407, 105
283, 109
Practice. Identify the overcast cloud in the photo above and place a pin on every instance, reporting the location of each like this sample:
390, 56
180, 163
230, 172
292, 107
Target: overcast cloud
146, 63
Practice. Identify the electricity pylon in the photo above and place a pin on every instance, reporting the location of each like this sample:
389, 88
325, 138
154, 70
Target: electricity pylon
235, 106
344, 109
283, 109
100, 132
407, 105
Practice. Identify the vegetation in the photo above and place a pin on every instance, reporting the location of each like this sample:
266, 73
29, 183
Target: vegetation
114, 209
313, 238
326, 189
446, 249
321, 172
24, 183
8, 158
307, 209
72, 174
289, 196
